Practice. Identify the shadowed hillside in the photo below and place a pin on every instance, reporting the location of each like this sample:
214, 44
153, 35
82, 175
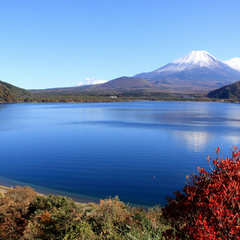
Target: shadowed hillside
231, 91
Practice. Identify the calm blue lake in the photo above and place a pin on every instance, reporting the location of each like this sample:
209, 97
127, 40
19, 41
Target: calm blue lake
140, 151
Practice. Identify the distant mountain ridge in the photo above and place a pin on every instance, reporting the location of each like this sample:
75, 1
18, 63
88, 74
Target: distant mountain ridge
124, 83
197, 71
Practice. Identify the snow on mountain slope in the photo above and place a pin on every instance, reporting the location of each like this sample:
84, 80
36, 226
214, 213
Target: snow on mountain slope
194, 65
192, 60
234, 63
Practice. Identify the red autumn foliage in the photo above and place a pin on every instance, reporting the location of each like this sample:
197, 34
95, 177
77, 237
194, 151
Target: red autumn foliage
208, 207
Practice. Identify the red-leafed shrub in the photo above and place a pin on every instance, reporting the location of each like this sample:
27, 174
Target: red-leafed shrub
208, 207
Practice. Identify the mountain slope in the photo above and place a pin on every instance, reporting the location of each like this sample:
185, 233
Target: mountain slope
10, 93
124, 83
116, 85
195, 71
231, 91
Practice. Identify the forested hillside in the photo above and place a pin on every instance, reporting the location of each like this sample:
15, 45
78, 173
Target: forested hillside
231, 91
10, 93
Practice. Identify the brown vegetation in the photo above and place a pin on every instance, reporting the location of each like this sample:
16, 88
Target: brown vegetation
26, 215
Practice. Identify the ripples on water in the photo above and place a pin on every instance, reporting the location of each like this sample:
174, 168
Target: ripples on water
140, 151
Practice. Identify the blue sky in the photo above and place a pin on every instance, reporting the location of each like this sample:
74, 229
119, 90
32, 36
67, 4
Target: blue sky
63, 43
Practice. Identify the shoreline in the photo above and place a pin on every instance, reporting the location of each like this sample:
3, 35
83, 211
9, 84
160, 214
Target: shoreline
6, 184
4, 190
79, 200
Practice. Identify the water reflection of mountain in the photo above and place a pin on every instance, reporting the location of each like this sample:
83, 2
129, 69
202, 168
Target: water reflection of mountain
194, 141
198, 141
233, 140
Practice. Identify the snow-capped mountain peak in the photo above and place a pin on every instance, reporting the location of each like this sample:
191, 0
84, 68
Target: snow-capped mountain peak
234, 63
201, 58
191, 60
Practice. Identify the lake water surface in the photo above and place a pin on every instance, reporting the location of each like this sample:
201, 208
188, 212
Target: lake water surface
140, 151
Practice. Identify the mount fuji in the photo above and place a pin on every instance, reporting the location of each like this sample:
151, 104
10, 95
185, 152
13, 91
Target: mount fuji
197, 71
